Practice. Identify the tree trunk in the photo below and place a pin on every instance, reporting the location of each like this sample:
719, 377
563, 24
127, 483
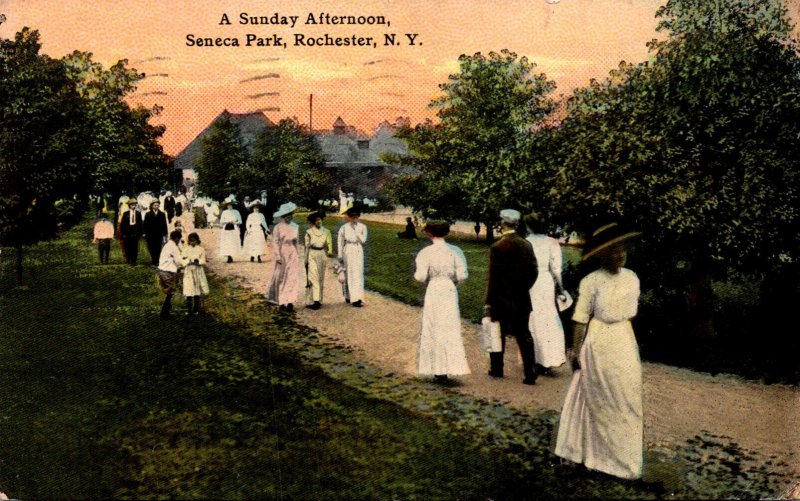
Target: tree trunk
19, 264
700, 300
489, 233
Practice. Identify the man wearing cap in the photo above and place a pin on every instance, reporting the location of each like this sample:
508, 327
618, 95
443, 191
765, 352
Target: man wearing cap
351, 238
512, 273
130, 231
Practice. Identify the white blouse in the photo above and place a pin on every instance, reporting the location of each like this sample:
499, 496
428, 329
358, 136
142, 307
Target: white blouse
608, 297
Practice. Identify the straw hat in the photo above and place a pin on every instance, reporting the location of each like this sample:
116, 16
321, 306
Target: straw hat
606, 236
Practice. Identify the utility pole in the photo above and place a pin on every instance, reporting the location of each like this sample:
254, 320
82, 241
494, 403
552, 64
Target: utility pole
310, 112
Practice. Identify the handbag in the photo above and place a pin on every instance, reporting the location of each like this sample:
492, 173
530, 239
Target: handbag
229, 226
490, 335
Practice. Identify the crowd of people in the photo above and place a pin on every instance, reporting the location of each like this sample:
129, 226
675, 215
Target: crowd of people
601, 421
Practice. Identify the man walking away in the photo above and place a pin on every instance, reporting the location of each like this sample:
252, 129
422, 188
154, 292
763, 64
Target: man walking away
512, 273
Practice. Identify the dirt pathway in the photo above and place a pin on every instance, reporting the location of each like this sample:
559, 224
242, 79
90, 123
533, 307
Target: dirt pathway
678, 403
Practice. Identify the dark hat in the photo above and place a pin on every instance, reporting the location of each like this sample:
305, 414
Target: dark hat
355, 210
606, 236
314, 215
534, 221
437, 228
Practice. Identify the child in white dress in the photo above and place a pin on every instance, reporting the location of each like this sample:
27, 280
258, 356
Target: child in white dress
195, 284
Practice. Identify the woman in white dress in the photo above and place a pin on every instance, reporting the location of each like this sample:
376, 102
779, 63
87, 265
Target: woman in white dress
229, 243
195, 283
601, 420
441, 267
284, 284
255, 240
351, 239
544, 322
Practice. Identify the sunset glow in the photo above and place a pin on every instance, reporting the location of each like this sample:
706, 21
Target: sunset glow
571, 41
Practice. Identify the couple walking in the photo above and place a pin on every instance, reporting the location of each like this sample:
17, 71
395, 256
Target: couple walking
512, 291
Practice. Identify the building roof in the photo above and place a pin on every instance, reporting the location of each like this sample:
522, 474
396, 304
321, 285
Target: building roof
250, 124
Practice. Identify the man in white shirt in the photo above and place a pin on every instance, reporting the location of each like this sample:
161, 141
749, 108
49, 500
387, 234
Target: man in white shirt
168, 264
103, 235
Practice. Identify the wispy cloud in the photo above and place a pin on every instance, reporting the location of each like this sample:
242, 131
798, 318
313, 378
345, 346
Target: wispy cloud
154, 93
368, 63
260, 77
392, 94
154, 75
306, 70
263, 94
271, 108
150, 59
384, 77
265, 60
392, 108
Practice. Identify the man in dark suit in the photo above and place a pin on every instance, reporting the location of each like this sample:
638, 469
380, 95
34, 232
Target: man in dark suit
130, 231
169, 206
155, 231
512, 273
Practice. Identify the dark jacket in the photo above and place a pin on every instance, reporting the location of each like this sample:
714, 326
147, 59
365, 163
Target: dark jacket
169, 205
512, 272
155, 225
126, 230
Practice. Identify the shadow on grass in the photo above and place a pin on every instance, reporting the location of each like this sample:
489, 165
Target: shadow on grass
102, 399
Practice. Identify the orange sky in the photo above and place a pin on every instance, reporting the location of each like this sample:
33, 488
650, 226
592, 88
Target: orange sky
570, 41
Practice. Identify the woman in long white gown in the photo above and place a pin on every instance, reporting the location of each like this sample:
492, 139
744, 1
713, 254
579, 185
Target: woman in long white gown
255, 239
284, 284
441, 267
544, 322
229, 243
601, 420
351, 239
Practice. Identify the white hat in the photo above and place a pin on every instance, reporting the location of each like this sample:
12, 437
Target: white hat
285, 209
510, 216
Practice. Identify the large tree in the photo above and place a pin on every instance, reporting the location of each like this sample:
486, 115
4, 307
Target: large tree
125, 154
223, 155
699, 146
43, 142
487, 113
288, 161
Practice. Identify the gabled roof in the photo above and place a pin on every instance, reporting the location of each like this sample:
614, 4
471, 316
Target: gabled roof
250, 124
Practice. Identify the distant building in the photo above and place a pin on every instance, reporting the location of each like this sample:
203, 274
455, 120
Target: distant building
354, 155
250, 125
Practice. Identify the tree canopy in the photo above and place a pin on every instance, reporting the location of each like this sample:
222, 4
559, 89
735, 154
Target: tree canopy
469, 162
66, 133
43, 142
697, 146
125, 152
222, 155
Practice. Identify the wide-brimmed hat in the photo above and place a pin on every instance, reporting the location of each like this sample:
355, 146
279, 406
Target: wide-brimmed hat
285, 209
606, 236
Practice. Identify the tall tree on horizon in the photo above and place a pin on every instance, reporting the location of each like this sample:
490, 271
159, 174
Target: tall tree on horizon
43, 143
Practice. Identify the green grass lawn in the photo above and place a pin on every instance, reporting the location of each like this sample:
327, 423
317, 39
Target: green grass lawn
101, 399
